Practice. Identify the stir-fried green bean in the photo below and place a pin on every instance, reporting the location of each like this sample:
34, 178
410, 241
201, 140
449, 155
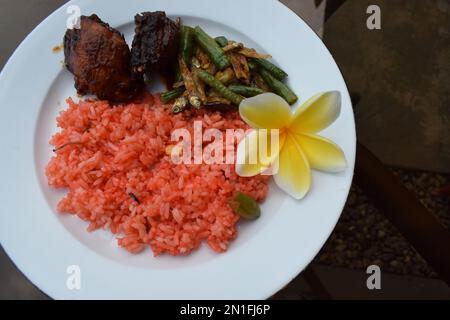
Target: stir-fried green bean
273, 69
223, 91
186, 43
172, 94
258, 81
185, 48
278, 87
245, 90
212, 49
221, 41
252, 65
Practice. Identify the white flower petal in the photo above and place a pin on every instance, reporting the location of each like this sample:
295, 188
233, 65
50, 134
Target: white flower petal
294, 173
265, 111
317, 113
251, 159
322, 154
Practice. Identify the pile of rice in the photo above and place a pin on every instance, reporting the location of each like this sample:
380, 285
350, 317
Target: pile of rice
113, 161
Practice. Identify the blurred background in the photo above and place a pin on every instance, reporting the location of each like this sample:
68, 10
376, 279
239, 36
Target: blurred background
399, 81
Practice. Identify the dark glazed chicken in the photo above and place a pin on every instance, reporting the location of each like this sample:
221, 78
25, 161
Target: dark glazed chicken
99, 58
155, 43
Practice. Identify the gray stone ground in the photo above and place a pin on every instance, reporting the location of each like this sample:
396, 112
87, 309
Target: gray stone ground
363, 236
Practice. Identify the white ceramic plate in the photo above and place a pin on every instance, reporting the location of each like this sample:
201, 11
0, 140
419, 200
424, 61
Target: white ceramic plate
267, 254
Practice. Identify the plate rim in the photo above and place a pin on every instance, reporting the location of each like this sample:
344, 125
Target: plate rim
351, 157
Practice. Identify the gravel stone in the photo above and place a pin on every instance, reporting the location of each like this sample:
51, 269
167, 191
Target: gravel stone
363, 236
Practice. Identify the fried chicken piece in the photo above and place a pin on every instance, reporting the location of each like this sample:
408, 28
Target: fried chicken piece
99, 58
155, 43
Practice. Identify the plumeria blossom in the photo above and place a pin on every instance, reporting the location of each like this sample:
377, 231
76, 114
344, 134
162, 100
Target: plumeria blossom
299, 149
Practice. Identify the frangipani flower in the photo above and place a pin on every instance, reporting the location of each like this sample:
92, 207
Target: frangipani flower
299, 148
